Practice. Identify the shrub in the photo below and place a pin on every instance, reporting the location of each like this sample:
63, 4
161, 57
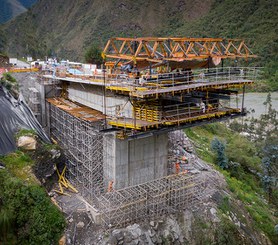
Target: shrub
27, 213
93, 55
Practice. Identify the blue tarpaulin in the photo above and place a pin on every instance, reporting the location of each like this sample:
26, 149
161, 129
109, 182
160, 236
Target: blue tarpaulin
75, 72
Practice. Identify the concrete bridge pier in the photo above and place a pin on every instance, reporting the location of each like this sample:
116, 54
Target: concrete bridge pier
133, 162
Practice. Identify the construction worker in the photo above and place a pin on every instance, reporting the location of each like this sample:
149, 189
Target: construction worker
110, 186
178, 168
203, 107
210, 107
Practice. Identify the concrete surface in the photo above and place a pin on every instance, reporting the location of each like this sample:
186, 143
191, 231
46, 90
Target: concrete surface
133, 162
92, 96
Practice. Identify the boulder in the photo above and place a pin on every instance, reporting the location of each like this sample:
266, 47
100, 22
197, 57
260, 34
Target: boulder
80, 224
62, 241
27, 142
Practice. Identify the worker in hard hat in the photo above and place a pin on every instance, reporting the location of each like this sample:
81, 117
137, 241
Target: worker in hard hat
178, 168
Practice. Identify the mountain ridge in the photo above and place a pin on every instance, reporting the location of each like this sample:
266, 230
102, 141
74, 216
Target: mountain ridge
67, 30
13, 8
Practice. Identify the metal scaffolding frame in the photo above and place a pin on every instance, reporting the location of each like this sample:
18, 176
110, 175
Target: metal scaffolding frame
152, 199
83, 146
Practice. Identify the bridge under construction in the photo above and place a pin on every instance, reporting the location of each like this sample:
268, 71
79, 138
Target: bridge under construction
114, 123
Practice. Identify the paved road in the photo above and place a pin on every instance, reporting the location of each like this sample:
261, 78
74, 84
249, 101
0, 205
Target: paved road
22, 64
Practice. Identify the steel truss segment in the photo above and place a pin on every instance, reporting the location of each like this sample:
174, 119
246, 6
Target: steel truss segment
155, 49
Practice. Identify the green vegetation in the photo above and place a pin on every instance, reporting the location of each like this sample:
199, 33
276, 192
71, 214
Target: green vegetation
27, 215
9, 77
10, 83
227, 233
243, 173
248, 19
93, 55
26, 132
263, 132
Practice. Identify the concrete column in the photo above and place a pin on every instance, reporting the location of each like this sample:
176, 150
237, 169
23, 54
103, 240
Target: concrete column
136, 161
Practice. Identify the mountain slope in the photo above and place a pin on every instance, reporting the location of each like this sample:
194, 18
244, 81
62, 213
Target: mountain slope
12, 8
68, 29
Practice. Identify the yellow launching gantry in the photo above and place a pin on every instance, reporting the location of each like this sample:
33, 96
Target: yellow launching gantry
175, 82
143, 51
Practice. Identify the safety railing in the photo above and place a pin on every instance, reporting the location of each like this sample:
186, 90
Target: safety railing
184, 110
200, 76
165, 80
157, 81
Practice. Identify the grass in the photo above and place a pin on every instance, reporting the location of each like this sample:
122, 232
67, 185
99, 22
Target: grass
26, 132
256, 205
241, 180
20, 165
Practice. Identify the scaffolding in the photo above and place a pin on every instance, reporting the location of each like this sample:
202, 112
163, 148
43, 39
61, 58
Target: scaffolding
83, 145
83, 142
152, 199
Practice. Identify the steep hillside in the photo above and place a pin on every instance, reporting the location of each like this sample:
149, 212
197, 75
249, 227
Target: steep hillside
12, 8
67, 28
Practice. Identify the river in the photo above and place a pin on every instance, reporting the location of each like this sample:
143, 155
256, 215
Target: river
255, 101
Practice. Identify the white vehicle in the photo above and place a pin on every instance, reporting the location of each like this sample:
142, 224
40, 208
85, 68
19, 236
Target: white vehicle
13, 61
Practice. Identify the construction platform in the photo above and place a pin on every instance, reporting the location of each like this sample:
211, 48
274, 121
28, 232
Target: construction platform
129, 123
77, 110
153, 102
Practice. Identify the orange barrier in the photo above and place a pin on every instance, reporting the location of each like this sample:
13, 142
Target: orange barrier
17, 70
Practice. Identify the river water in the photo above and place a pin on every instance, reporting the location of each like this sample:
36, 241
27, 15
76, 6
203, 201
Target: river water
255, 101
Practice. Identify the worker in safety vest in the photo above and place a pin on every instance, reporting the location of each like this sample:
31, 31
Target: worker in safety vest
178, 168
110, 186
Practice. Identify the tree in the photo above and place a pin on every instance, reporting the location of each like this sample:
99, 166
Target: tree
93, 55
219, 148
270, 148
263, 132
27, 215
